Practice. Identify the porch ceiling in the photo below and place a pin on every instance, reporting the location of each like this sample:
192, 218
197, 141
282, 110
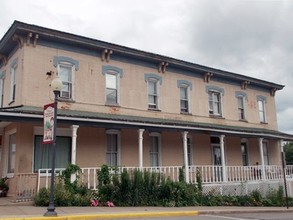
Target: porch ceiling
84, 118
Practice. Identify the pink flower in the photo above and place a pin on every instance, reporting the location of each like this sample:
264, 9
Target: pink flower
94, 202
110, 204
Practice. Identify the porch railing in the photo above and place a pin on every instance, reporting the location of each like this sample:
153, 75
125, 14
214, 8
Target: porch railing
208, 174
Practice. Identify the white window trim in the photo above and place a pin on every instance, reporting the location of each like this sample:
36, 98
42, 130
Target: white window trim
188, 97
156, 134
113, 131
6, 152
13, 70
221, 114
72, 66
117, 74
243, 98
156, 81
191, 150
245, 141
263, 102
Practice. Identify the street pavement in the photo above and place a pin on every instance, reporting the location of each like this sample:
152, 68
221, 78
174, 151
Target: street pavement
27, 211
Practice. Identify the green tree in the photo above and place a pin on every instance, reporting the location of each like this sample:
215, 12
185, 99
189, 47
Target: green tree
288, 148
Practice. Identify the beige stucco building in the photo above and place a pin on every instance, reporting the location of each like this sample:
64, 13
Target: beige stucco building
128, 108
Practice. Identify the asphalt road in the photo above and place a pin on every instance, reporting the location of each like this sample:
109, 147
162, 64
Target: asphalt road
232, 216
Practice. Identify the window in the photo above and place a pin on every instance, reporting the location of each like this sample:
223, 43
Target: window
261, 108
153, 90
154, 150
65, 72
111, 88
11, 153
152, 94
215, 107
112, 75
66, 68
215, 95
189, 151
185, 87
265, 152
112, 153
1, 91
241, 97
42, 153
13, 69
244, 153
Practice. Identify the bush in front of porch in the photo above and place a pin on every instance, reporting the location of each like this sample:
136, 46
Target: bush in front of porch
138, 188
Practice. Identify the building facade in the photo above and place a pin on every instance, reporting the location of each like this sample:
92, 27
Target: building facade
128, 108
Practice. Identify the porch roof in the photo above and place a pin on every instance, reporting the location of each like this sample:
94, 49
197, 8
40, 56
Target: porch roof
97, 119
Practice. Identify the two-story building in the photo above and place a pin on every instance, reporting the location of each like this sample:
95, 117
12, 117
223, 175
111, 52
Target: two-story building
132, 109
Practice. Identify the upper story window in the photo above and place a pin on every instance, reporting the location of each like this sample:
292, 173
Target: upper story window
153, 90
261, 108
13, 70
2, 77
112, 75
66, 68
185, 88
215, 100
241, 97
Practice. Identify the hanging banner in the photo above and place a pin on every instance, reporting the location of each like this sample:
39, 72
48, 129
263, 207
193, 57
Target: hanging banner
48, 123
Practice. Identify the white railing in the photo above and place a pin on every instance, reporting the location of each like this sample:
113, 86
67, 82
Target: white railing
208, 173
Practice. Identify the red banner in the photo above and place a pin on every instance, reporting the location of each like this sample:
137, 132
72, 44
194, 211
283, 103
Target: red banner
48, 123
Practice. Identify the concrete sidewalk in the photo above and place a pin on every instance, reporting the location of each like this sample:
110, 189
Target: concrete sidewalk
19, 211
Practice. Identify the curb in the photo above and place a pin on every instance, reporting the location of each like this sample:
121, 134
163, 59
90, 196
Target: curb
109, 216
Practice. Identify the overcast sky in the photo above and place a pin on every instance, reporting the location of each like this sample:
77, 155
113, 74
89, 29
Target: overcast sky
249, 37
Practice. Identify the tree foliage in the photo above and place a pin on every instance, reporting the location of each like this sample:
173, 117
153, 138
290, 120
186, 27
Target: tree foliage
288, 148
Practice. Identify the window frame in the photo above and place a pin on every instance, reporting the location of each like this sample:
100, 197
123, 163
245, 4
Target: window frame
187, 86
70, 83
245, 155
118, 142
13, 81
214, 91
241, 110
154, 96
190, 150
261, 100
266, 155
155, 153
118, 72
2, 83
108, 102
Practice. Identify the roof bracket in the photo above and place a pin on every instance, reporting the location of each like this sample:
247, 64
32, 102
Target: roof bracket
162, 67
244, 85
106, 55
19, 40
207, 77
35, 40
273, 91
4, 58
28, 38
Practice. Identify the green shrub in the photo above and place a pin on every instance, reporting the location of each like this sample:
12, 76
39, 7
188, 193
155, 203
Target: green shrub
42, 197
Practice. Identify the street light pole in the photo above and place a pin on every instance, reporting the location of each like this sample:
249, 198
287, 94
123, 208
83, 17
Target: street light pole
56, 86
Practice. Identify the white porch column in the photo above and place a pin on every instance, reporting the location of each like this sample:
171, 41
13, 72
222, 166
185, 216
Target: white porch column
263, 173
73, 148
73, 143
140, 148
223, 160
185, 152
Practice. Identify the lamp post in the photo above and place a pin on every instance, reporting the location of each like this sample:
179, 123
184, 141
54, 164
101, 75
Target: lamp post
56, 86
